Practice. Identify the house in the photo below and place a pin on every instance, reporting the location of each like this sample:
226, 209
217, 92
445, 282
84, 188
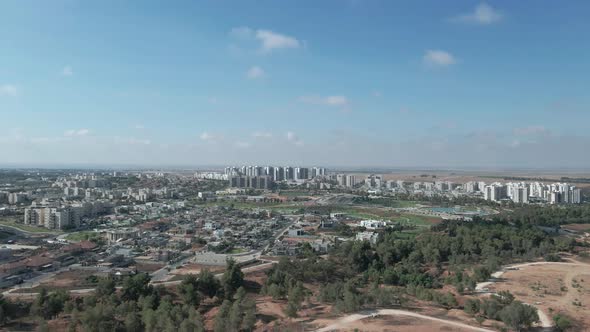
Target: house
367, 236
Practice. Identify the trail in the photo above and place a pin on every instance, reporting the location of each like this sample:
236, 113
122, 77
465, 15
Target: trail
344, 321
545, 321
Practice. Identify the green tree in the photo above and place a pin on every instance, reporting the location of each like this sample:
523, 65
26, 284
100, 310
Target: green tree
234, 319
105, 287
136, 286
249, 308
221, 317
562, 322
188, 290
519, 315
133, 322
208, 283
471, 306
232, 279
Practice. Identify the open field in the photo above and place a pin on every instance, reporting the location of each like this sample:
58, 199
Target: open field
68, 280
193, 268
400, 324
552, 288
11, 222
577, 227
81, 236
388, 214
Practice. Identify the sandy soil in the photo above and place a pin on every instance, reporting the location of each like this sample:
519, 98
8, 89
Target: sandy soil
69, 279
552, 288
430, 319
577, 227
196, 268
401, 324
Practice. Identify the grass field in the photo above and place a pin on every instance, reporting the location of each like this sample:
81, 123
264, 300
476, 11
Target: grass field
81, 236
378, 213
294, 193
11, 222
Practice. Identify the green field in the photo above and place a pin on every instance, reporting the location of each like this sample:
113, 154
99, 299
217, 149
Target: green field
26, 228
294, 193
237, 251
244, 205
82, 236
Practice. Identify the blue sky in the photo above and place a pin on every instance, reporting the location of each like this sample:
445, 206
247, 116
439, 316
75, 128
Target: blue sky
350, 83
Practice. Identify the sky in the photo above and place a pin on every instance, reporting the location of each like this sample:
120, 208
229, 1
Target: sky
455, 84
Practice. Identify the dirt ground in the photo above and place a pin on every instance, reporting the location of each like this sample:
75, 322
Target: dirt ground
401, 324
553, 288
69, 280
148, 267
577, 227
197, 268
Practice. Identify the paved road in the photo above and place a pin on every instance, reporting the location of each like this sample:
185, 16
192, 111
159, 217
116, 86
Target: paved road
343, 322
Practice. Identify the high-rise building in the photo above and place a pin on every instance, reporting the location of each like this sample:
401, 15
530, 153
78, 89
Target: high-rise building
520, 194
495, 192
350, 181
254, 182
289, 173
341, 180
301, 173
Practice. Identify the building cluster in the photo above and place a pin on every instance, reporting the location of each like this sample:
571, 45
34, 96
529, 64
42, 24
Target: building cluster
259, 177
252, 182
346, 180
277, 173
13, 198
59, 215
518, 192
211, 176
536, 192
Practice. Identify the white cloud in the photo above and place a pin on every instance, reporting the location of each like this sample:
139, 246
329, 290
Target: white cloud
8, 90
531, 130
205, 136
242, 145
67, 71
291, 137
76, 132
130, 140
439, 58
483, 14
139, 126
377, 94
328, 100
255, 72
269, 40
261, 134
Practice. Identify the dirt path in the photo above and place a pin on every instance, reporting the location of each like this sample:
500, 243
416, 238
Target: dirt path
344, 321
545, 321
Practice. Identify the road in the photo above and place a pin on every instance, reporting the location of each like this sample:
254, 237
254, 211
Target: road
30, 284
345, 321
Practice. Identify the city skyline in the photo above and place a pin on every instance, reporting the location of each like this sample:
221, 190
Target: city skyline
465, 84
